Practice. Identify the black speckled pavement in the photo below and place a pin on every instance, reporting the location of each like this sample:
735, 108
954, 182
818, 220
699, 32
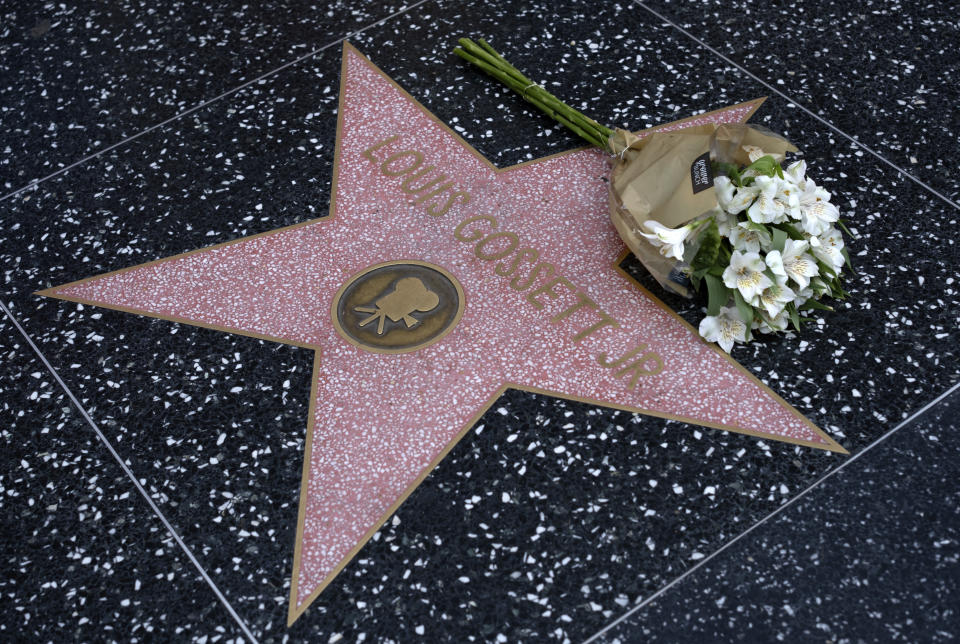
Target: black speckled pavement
870, 554
157, 145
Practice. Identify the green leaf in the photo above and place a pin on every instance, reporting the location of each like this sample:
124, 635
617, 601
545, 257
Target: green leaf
709, 247
795, 234
764, 165
813, 304
846, 258
844, 228
820, 287
779, 239
700, 273
725, 253
728, 169
718, 294
743, 307
696, 277
837, 287
826, 270
794, 316
760, 228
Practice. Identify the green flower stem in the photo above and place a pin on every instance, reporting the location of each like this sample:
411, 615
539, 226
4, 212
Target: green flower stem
571, 114
509, 76
524, 90
489, 60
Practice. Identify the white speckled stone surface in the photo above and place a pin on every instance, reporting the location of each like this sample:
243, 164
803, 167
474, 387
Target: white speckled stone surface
83, 557
883, 72
79, 77
381, 420
558, 515
873, 554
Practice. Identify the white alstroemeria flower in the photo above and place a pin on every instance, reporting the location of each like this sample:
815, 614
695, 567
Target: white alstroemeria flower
811, 192
748, 236
753, 152
817, 219
668, 240
724, 329
725, 222
815, 212
775, 297
745, 273
788, 194
796, 173
828, 248
772, 324
742, 198
775, 201
796, 263
724, 189
802, 296
774, 261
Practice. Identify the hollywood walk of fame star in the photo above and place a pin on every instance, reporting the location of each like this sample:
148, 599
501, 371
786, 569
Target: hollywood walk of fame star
438, 282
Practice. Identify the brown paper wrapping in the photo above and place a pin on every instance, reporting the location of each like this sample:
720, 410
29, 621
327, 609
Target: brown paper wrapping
662, 177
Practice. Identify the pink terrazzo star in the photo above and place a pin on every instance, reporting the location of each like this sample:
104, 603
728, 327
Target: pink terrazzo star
381, 422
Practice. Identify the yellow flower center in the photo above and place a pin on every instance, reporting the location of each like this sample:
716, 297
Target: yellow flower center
800, 266
732, 329
747, 278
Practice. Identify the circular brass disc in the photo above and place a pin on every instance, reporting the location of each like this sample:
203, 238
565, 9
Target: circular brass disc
397, 307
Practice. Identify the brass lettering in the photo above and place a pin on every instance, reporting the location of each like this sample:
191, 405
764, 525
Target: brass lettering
512, 246
547, 289
463, 197
416, 156
376, 146
407, 184
529, 254
438, 191
582, 300
407, 164
519, 285
458, 231
603, 361
638, 370
605, 320
636, 367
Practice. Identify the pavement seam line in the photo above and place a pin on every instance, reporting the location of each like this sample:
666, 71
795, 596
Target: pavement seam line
143, 492
914, 416
205, 103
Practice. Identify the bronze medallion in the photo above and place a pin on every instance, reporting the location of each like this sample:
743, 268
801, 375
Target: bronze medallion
397, 307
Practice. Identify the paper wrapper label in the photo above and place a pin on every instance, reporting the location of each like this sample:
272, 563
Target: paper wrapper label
668, 177
701, 173
657, 184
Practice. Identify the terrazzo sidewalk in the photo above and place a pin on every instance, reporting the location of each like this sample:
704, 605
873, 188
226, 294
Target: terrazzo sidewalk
152, 469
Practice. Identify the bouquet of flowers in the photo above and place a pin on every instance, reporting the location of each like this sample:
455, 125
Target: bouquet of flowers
712, 208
